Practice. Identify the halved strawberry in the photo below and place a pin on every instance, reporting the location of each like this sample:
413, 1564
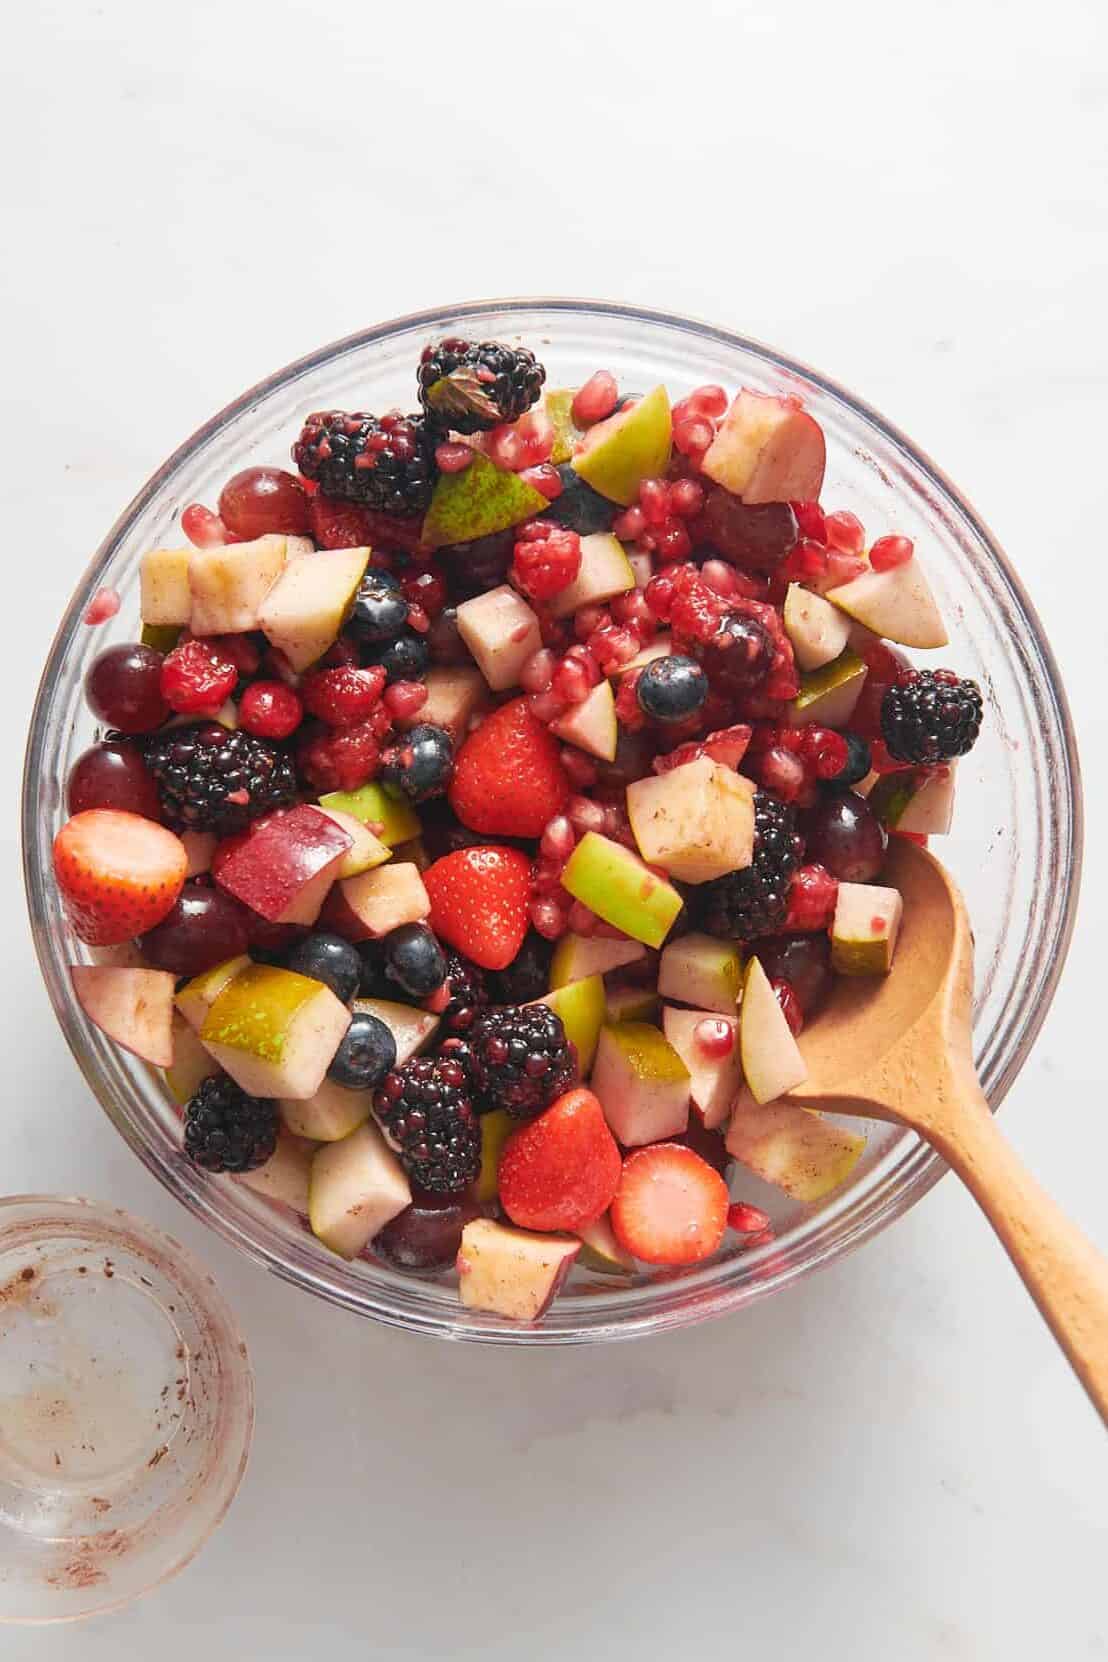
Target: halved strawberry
670, 1207
508, 776
561, 1170
479, 902
118, 874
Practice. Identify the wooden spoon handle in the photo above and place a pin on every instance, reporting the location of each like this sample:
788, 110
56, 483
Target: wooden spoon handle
1064, 1273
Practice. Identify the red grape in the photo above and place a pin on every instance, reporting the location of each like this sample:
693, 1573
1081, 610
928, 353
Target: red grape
205, 927
263, 499
804, 961
427, 1234
123, 688
112, 775
843, 833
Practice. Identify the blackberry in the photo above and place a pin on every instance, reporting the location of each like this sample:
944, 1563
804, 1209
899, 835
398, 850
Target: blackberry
425, 1112
527, 977
226, 1130
387, 462
753, 901
930, 715
521, 1058
472, 387
469, 994
212, 780
579, 508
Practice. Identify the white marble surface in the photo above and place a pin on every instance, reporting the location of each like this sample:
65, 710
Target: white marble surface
891, 1461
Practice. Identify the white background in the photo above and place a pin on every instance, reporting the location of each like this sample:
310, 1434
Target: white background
891, 1463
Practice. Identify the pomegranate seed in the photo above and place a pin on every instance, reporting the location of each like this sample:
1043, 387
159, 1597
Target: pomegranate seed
545, 479
686, 498
580, 654
747, 1220
673, 542
103, 605
720, 577
632, 611
810, 520
203, 528
582, 920
425, 589
585, 815
506, 448
790, 1005
582, 769
764, 1237
558, 840
589, 619
715, 1036
548, 918
196, 678
537, 671
708, 401
536, 435
571, 681
546, 706
654, 501
845, 532
888, 552
547, 877
630, 525
842, 568
596, 399
453, 458
692, 437
782, 772
404, 698
270, 710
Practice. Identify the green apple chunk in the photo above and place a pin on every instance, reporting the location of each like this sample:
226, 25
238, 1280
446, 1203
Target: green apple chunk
630, 446
558, 404
767, 449
771, 1059
866, 924
696, 821
275, 1032
304, 611
134, 1007
827, 696
191, 1062
478, 501
713, 1080
501, 631
619, 888
454, 694
496, 1128
411, 1027
605, 572
165, 598
356, 1187
591, 725
197, 996
365, 852
632, 1004
701, 970
601, 1252
511, 1272
642, 1083
578, 956
328, 1116
229, 584
581, 1006
920, 800
791, 1147
286, 1174
390, 820
818, 631
896, 604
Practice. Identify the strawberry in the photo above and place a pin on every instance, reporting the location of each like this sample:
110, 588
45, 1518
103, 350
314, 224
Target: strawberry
561, 1170
508, 776
479, 902
118, 873
670, 1207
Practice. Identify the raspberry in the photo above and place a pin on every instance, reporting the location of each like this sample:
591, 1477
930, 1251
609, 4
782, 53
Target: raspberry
270, 710
404, 699
342, 697
812, 895
197, 678
340, 759
547, 559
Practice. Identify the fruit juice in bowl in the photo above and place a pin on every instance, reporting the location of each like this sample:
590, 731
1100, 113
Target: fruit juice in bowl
493, 795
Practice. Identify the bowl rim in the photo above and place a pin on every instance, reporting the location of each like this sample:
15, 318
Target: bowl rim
924, 1167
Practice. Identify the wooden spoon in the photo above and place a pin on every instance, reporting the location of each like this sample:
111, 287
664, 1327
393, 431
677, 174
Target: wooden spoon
898, 1047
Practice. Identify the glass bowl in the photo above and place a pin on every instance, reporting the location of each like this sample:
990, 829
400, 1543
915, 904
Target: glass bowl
1015, 845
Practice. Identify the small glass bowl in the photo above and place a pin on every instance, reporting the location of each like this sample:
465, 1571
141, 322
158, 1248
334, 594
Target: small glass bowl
126, 1408
1015, 845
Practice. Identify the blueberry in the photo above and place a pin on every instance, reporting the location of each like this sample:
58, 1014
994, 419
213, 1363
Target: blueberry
671, 689
415, 960
327, 958
367, 1053
404, 659
374, 983
421, 764
380, 611
859, 761
579, 507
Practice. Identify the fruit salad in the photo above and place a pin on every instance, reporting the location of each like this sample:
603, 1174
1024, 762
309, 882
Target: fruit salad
487, 805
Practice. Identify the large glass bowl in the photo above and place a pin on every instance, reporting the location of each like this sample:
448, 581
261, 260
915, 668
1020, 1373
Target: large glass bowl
1015, 845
